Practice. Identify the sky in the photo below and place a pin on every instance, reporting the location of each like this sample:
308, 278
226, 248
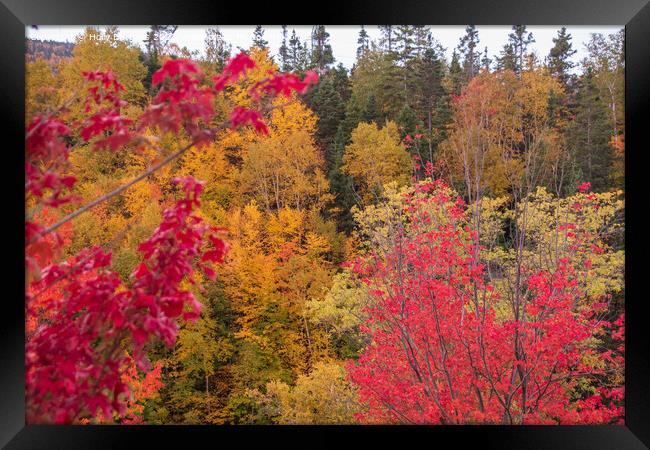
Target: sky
343, 38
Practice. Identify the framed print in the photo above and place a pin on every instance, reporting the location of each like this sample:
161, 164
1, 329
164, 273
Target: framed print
425, 231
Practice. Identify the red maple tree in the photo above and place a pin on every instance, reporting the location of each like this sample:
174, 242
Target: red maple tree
439, 352
86, 327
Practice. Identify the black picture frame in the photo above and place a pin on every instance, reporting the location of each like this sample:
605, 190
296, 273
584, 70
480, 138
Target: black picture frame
634, 14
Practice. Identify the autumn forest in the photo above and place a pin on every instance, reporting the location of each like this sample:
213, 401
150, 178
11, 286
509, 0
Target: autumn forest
264, 236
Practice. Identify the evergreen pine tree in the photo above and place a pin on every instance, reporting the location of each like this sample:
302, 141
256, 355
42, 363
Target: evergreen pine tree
340, 183
429, 96
589, 135
363, 41
468, 48
387, 40
559, 58
370, 112
341, 81
421, 39
486, 62
405, 42
258, 37
455, 74
321, 50
407, 121
284, 51
328, 105
157, 39
519, 39
507, 60
298, 54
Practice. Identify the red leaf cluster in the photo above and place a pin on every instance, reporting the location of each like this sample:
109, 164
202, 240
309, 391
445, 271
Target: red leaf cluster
107, 121
235, 67
283, 84
46, 155
75, 357
584, 187
181, 102
439, 351
241, 116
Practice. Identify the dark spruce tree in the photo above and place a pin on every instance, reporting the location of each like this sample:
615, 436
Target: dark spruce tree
258, 38
407, 48
486, 62
356, 111
363, 42
407, 121
589, 136
371, 112
341, 81
422, 39
405, 43
387, 39
468, 49
298, 54
157, 39
321, 50
507, 59
430, 101
284, 51
559, 58
329, 107
559, 65
455, 74
519, 39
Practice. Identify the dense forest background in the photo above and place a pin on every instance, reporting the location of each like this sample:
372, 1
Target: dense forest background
285, 317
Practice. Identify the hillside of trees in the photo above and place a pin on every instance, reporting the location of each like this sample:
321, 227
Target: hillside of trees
415, 240
51, 51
